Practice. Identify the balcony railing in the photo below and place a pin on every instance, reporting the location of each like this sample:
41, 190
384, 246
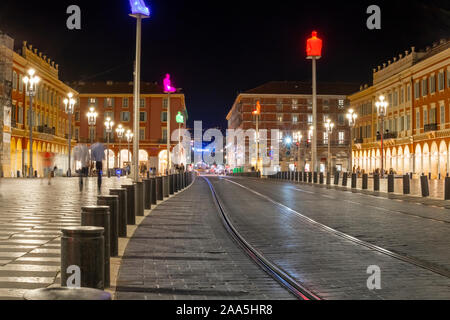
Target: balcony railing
358, 140
45, 129
387, 135
430, 127
162, 140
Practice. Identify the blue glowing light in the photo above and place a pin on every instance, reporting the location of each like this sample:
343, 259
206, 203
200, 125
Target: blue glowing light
288, 140
138, 7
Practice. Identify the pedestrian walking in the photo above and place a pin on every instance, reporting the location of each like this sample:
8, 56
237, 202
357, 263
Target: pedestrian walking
98, 155
81, 153
48, 163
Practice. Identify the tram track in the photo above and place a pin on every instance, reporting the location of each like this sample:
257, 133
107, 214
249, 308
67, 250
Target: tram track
277, 273
411, 260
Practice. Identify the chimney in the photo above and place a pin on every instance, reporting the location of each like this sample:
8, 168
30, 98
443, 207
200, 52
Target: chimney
365, 86
406, 53
109, 83
379, 68
395, 59
413, 49
400, 56
384, 65
360, 88
389, 62
374, 70
35, 51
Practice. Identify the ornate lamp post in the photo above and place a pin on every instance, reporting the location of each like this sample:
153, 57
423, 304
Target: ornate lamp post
69, 104
30, 82
314, 52
168, 89
329, 129
179, 118
108, 125
351, 116
256, 113
138, 11
129, 136
298, 140
92, 118
120, 130
381, 105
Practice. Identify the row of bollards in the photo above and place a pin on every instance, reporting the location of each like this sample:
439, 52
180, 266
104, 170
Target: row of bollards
86, 250
406, 181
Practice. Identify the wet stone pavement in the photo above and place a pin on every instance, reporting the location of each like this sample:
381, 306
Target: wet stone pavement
182, 251
31, 216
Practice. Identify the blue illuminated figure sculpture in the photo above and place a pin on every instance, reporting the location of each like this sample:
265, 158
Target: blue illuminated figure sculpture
138, 7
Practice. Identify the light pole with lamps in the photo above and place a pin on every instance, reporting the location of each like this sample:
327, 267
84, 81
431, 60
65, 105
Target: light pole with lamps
351, 116
298, 140
92, 118
381, 105
30, 87
314, 52
129, 136
69, 103
329, 130
120, 130
310, 139
179, 118
108, 126
256, 113
138, 11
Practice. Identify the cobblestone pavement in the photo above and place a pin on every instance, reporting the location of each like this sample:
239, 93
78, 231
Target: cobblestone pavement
334, 267
182, 251
31, 216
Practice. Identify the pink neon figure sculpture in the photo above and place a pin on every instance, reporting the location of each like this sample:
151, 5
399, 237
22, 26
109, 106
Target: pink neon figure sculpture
167, 85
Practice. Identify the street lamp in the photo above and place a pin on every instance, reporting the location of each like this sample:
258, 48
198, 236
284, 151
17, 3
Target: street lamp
179, 118
69, 106
351, 116
138, 11
92, 118
30, 87
329, 129
381, 105
310, 138
129, 136
298, 140
257, 112
168, 89
314, 52
120, 130
108, 125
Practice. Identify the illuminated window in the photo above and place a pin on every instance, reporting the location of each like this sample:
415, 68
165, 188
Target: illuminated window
325, 138
280, 117
125, 116
294, 118
125, 102
310, 118
341, 137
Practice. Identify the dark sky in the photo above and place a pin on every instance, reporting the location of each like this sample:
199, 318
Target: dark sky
213, 49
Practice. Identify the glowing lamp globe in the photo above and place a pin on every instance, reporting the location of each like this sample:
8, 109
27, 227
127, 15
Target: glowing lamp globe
139, 7
179, 117
314, 46
258, 109
168, 85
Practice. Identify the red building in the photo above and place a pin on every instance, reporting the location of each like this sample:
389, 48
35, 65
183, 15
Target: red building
115, 100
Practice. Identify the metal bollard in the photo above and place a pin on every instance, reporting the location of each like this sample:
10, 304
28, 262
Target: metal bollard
447, 188
296, 176
112, 201
310, 177
344, 179
336, 178
123, 210
376, 182
365, 181
429, 175
406, 185
315, 177
159, 188
84, 248
354, 179
139, 201
66, 293
390, 183
424, 185
165, 186
131, 204
171, 184
328, 178
321, 178
176, 183
153, 190
147, 194
98, 216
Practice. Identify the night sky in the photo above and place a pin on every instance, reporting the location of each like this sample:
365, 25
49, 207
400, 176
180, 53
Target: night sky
214, 49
